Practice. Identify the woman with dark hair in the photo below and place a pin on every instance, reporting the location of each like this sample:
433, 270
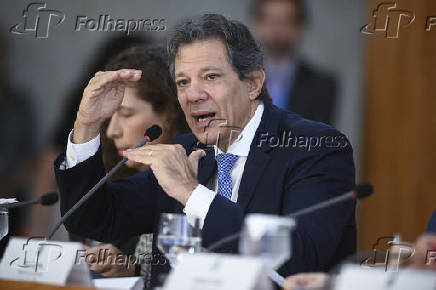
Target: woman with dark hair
151, 100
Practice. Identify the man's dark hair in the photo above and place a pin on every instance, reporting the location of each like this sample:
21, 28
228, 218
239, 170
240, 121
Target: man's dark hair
243, 51
299, 4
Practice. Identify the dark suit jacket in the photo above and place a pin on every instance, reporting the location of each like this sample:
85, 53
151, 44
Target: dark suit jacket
313, 95
276, 180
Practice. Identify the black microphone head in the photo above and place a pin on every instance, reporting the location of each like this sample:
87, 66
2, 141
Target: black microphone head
363, 190
49, 198
153, 132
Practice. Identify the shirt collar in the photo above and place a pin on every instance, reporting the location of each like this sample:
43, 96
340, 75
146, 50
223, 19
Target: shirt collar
241, 146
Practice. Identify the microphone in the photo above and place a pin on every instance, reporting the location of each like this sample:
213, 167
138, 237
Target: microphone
361, 191
151, 134
46, 199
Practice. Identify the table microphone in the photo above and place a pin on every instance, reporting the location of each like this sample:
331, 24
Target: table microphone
151, 134
45, 199
361, 191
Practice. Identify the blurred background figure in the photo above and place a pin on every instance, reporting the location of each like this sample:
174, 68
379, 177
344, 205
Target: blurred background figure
151, 100
292, 82
43, 219
17, 149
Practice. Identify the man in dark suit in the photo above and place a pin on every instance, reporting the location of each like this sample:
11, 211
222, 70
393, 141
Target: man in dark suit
277, 163
293, 83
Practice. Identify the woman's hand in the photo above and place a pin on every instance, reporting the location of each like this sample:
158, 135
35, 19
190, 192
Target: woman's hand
312, 281
103, 259
101, 98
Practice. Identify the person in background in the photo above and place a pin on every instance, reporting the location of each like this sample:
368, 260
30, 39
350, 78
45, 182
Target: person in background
17, 146
44, 181
151, 100
292, 82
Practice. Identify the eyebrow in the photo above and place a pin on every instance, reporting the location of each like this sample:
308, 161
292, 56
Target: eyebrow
207, 68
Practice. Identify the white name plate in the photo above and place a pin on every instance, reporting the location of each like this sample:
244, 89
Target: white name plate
358, 278
45, 261
218, 271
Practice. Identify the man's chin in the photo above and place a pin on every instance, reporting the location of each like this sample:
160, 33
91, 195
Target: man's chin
207, 137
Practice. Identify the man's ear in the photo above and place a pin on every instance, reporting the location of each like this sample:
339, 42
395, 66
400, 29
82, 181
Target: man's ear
255, 83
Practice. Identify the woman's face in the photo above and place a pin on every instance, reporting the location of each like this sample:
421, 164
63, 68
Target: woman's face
129, 123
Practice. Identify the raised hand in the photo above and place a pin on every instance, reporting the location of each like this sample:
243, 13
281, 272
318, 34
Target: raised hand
175, 171
101, 98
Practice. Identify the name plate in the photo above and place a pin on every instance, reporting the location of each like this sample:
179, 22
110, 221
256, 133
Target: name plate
45, 261
358, 278
218, 271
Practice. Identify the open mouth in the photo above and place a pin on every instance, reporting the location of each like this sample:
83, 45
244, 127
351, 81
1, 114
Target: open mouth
203, 119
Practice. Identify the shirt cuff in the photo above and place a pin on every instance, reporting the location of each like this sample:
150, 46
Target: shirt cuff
77, 153
198, 204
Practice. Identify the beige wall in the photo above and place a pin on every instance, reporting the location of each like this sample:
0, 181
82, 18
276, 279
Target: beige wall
400, 128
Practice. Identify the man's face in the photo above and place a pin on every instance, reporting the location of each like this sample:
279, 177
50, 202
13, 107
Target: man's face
278, 27
215, 101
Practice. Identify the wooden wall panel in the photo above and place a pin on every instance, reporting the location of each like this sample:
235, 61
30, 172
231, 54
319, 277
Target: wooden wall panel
400, 128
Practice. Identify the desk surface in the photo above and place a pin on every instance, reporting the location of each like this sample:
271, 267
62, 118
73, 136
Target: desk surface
18, 285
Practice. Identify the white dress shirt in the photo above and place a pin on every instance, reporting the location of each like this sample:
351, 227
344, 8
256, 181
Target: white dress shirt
197, 205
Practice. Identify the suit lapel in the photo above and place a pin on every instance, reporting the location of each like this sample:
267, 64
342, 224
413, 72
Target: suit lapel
206, 167
258, 158
254, 167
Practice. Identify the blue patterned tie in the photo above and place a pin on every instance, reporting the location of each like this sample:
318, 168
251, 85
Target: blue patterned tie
225, 162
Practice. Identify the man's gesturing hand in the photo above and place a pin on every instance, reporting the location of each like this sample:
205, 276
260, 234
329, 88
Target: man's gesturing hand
175, 172
101, 98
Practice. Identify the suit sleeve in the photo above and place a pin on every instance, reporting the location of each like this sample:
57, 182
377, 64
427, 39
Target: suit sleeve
118, 210
318, 176
318, 241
